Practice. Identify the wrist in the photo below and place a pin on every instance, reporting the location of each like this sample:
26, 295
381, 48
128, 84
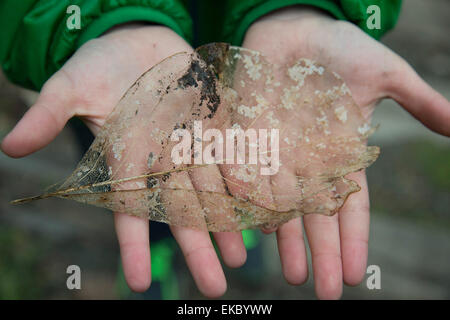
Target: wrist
147, 42
135, 31
296, 17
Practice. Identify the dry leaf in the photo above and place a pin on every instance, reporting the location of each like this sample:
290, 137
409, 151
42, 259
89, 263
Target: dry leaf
320, 131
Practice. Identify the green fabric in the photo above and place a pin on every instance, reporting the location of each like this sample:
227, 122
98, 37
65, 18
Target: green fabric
35, 41
162, 253
162, 257
241, 14
209, 28
250, 239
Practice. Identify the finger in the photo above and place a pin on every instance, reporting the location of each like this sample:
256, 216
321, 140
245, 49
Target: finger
232, 249
196, 245
184, 210
291, 247
43, 121
230, 244
202, 260
323, 237
133, 236
285, 188
186, 217
421, 100
354, 218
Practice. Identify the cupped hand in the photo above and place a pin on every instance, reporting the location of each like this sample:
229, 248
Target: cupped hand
339, 244
89, 85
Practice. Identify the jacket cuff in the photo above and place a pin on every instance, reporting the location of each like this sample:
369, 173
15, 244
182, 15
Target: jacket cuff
45, 42
352, 10
96, 22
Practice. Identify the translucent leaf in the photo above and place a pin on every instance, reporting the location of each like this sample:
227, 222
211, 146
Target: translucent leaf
320, 131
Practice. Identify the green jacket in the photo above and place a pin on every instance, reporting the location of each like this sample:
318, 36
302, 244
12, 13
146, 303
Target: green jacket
35, 40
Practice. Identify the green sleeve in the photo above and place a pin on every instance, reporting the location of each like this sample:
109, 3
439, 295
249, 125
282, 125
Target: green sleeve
241, 14
35, 40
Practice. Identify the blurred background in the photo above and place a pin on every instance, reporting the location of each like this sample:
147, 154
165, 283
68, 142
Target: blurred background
409, 188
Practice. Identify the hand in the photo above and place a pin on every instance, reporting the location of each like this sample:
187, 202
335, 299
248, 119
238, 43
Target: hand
339, 244
89, 86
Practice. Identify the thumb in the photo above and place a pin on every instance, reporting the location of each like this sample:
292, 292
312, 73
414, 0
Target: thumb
43, 121
420, 100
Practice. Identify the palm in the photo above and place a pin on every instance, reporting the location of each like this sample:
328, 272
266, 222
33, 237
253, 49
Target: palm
363, 62
339, 244
89, 86
102, 70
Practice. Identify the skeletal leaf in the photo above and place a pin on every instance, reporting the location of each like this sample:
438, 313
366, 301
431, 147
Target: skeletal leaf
311, 122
